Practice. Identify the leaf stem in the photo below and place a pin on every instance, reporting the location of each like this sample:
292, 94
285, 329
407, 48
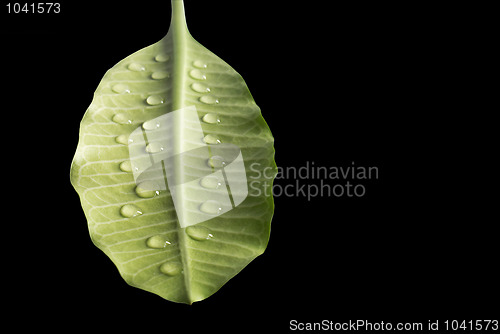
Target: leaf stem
178, 15
179, 31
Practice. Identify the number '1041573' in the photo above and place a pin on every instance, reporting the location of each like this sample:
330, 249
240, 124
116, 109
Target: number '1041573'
34, 8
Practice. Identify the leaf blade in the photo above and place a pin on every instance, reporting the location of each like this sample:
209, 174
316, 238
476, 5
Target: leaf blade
180, 72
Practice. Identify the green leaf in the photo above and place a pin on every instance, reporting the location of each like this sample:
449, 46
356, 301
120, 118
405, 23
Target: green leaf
174, 168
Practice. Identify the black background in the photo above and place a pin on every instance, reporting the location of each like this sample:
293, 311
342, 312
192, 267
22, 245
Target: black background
375, 84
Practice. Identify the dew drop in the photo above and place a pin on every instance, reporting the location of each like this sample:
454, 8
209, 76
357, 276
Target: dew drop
199, 233
211, 118
197, 74
151, 125
147, 189
158, 75
154, 147
199, 64
209, 99
123, 139
216, 161
211, 207
122, 118
200, 88
211, 139
210, 182
158, 242
162, 57
136, 67
126, 166
130, 210
154, 100
171, 268
120, 88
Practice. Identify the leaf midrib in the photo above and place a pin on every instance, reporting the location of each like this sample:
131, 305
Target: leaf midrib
179, 35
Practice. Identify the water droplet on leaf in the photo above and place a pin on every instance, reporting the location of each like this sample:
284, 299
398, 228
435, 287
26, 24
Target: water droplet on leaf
151, 125
216, 161
199, 233
211, 139
120, 88
162, 57
211, 182
200, 88
197, 74
122, 118
171, 268
154, 147
211, 118
136, 67
147, 189
126, 166
154, 100
209, 99
199, 64
158, 242
158, 75
211, 207
123, 139
130, 210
